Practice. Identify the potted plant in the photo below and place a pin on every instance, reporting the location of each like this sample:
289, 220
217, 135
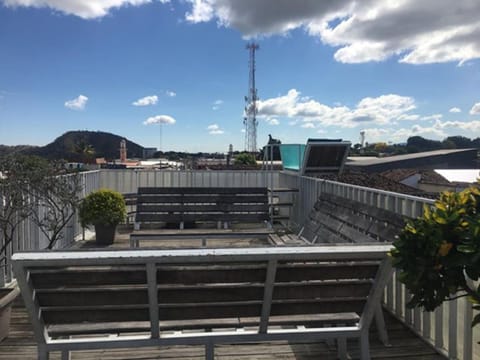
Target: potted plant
438, 254
104, 209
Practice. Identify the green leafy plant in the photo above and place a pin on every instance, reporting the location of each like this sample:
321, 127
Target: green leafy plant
438, 254
102, 207
245, 159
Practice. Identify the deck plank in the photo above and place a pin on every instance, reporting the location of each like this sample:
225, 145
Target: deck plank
405, 345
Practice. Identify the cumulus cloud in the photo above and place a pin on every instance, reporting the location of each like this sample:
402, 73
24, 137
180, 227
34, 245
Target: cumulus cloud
432, 117
308, 125
147, 100
418, 32
467, 127
216, 104
214, 129
86, 9
475, 110
170, 93
273, 121
438, 130
381, 110
455, 110
160, 119
78, 103
417, 130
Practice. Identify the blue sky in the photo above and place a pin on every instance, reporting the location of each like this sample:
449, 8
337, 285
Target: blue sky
393, 69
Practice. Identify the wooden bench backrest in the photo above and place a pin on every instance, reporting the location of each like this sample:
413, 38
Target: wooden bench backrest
179, 204
198, 285
336, 219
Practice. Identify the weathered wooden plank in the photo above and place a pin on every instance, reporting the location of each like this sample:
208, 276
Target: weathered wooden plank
199, 199
202, 190
192, 217
404, 345
80, 277
213, 208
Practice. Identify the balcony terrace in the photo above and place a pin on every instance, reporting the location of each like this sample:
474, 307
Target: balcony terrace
413, 333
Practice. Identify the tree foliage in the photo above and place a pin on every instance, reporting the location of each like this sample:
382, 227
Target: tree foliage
245, 159
33, 187
438, 254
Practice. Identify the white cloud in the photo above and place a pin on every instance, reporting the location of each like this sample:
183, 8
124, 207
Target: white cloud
160, 119
408, 117
381, 110
455, 110
78, 103
273, 121
432, 117
214, 129
216, 104
308, 125
475, 110
170, 93
467, 127
86, 9
418, 32
417, 130
147, 100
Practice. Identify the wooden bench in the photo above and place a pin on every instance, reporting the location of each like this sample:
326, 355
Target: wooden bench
335, 219
200, 235
182, 205
81, 300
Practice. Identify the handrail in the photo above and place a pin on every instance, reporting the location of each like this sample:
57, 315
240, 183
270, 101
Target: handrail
451, 320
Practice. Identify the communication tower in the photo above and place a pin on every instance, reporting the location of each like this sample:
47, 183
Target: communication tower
250, 119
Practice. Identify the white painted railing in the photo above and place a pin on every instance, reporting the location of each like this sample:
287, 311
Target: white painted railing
448, 328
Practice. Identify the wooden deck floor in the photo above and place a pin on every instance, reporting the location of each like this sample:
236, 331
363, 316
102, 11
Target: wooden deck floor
405, 345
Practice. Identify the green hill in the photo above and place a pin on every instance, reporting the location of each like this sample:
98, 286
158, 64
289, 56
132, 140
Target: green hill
85, 146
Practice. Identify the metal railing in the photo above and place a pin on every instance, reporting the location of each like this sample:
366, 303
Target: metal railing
448, 329
29, 237
128, 181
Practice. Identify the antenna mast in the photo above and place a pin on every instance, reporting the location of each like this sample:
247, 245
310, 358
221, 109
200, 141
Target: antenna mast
250, 119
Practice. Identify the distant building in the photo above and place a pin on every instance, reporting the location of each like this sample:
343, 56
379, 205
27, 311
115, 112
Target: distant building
438, 159
149, 152
209, 162
123, 151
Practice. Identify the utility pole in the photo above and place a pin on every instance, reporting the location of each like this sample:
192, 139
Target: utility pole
250, 119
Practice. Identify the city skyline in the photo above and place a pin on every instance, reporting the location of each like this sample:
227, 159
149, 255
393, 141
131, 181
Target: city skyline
324, 69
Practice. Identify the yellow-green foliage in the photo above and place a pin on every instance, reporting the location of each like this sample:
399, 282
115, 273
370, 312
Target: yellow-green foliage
438, 252
103, 207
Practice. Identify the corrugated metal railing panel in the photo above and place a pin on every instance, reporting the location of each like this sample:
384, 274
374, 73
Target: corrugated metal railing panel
448, 328
128, 181
29, 237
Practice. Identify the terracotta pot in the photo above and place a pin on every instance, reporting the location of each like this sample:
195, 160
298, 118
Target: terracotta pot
105, 234
7, 296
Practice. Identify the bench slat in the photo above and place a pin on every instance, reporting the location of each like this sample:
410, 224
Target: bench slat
192, 217
202, 190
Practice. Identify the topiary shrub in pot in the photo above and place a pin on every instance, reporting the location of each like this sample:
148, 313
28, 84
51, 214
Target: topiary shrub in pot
104, 209
438, 254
